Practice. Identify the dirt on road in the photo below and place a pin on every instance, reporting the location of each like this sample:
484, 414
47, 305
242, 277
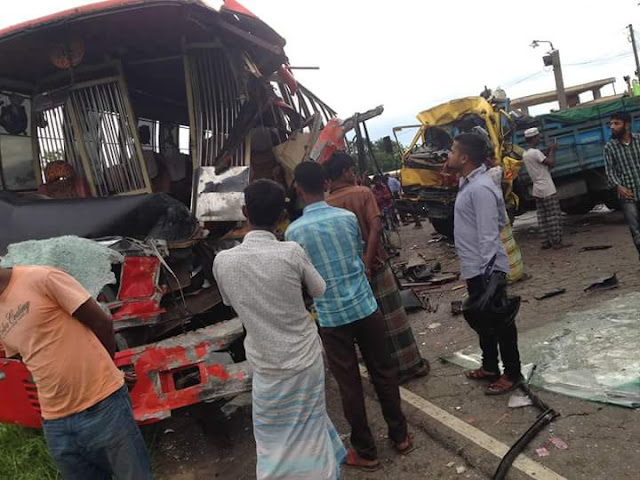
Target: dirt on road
602, 440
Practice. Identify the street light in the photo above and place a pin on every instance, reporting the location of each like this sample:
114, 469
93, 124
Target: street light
536, 43
552, 59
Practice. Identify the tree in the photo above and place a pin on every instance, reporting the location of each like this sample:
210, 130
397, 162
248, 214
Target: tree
385, 161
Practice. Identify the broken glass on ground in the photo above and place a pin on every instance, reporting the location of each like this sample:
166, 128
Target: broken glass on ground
592, 355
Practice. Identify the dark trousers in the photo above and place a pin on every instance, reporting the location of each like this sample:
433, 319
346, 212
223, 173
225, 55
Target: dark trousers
632, 215
506, 338
339, 344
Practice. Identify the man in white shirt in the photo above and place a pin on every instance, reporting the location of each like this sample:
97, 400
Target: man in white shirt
263, 280
548, 210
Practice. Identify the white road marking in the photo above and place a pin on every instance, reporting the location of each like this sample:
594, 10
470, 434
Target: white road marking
523, 463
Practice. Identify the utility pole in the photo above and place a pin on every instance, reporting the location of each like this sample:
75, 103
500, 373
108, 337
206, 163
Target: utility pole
635, 50
552, 59
557, 72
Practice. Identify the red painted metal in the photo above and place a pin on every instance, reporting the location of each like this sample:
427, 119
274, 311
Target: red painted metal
155, 394
139, 278
234, 6
19, 396
140, 295
156, 365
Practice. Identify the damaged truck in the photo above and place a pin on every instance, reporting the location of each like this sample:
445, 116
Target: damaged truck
137, 125
423, 180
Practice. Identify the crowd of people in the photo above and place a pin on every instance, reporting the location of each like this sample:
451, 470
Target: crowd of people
332, 257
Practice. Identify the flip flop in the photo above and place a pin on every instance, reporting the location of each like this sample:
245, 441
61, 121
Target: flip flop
352, 458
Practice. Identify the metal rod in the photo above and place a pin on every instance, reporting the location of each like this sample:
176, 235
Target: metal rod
113, 175
213, 86
112, 146
131, 120
207, 83
196, 137
232, 91
132, 172
190, 102
132, 156
79, 135
90, 140
133, 176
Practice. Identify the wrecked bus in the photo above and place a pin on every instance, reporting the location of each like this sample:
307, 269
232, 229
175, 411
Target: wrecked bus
137, 124
422, 176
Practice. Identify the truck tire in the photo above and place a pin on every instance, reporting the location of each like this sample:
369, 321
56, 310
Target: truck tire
444, 226
579, 208
612, 203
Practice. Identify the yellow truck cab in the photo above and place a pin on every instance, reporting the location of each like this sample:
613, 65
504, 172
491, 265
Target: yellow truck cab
422, 176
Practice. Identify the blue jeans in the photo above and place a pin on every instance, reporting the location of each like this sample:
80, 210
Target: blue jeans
100, 442
630, 210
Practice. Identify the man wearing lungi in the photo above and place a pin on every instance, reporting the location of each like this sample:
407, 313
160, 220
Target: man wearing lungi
340, 169
348, 313
263, 280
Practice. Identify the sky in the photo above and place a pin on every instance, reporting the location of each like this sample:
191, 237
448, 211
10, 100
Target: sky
412, 55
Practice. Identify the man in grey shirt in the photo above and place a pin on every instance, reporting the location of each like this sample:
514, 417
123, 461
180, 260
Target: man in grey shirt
263, 280
479, 217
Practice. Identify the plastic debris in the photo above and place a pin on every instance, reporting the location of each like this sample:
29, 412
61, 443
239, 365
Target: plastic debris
559, 443
460, 469
450, 464
518, 401
434, 325
542, 452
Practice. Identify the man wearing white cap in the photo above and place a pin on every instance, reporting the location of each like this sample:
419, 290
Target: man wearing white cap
544, 191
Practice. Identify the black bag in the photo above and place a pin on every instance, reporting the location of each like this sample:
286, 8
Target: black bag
491, 310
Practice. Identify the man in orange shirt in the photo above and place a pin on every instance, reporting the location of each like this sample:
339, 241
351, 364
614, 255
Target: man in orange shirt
346, 194
67, 343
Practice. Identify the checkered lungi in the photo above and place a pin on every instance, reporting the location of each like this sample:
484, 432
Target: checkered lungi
549, 220
400, 340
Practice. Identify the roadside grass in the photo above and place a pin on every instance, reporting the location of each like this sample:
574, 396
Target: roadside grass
24, 455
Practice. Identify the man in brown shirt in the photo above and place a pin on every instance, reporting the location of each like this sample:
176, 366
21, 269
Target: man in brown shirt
344, 193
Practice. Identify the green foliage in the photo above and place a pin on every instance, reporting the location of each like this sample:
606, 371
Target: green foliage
24, 455
386, 161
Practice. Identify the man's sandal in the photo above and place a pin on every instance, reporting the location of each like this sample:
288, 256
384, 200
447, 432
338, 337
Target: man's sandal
407, 449
482, 374
354, 461
502, 385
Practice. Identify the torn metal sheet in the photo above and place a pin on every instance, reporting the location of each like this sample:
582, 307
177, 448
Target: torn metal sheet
220, 197
185, 370
591, 355
607, 283
410, 301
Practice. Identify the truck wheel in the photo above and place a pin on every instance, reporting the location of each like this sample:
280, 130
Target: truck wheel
579, 208
444, 226
612, 203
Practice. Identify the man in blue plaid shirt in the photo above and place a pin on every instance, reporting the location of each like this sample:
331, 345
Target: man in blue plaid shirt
348, 313
622, 165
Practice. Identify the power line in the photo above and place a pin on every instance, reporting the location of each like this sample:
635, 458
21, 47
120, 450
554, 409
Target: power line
598, 60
